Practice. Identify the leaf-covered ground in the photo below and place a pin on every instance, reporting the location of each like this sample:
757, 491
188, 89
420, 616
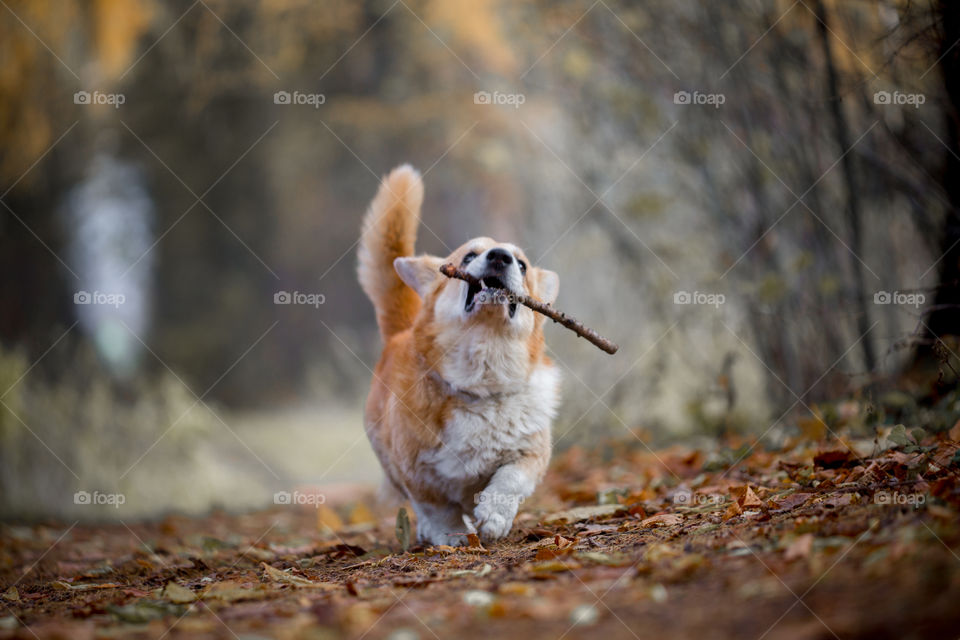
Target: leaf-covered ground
838, 539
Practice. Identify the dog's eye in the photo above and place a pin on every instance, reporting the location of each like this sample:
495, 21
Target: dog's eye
523, 267
467, 259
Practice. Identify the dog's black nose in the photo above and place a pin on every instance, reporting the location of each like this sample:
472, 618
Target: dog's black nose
499, 258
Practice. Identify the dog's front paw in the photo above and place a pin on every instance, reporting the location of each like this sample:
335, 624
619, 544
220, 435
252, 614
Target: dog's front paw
494, 515
495, 527
441, 524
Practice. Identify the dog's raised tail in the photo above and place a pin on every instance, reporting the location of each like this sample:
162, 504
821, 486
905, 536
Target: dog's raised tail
389, 232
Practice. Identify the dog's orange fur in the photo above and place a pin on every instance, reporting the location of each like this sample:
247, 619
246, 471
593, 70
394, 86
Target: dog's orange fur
419, 401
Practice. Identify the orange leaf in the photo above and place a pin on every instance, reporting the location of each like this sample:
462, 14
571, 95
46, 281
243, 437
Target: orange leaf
732, 511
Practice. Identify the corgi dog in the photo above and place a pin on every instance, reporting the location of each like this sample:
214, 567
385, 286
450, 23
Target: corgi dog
463, 397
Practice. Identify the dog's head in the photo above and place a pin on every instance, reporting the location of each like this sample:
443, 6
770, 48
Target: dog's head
498, 265
457, 314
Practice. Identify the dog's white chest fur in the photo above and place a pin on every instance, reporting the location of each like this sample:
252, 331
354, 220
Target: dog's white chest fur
487, 432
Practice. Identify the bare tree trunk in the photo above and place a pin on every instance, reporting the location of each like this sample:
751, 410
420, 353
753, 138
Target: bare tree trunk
842, 133
946, 320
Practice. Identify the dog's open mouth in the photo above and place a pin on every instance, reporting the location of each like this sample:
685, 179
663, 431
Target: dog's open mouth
492, 291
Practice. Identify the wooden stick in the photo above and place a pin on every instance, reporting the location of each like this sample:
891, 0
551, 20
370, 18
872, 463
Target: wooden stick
452, 271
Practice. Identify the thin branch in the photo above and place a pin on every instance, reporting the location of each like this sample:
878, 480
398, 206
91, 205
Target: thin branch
451, 271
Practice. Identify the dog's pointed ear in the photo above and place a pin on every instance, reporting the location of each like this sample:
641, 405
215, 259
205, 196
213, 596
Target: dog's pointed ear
418, 272
548, 285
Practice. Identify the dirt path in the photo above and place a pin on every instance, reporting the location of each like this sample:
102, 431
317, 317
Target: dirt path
812, 542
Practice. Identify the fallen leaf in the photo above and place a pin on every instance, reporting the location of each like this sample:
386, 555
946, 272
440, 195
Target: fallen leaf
561, 542
232, 591
482, 571
792, 501
833, 459
954, 432
327, 519
473, 541
144, 611
799, 548
841, 500
606, 559
585, 513
283, 577
750, 499
813, 427
177, 594
261, 555
361, 514
553, 566
637, 510
11, 595
551, 552
516, 589
66, 586
440, 549
732, 511
662, 520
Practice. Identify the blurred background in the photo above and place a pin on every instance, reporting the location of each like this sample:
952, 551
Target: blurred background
756, 199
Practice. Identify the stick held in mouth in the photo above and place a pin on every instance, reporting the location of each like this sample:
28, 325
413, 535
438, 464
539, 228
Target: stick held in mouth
451, 271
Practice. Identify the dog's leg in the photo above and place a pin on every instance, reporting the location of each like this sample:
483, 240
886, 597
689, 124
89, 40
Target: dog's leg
440, 523
498, 503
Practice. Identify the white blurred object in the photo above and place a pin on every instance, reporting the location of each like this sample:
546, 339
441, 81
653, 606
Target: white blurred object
109, 217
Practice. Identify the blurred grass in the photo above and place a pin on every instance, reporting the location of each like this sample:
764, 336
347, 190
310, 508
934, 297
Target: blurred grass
160, 448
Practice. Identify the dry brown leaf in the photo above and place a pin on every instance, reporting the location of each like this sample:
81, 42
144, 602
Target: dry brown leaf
66, 586
516, 589
551, 553
799, 548
232, 591
732, 511
662, 520
554, 566
327, 519
585, 513
833, 459
177, 594
361, 514
473, 541
954, 432
561, 542
440, 549
276, 575
750, 500
813, 427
